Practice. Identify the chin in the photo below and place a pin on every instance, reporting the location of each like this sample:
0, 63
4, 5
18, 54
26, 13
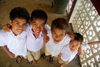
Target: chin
19, 33
56, 42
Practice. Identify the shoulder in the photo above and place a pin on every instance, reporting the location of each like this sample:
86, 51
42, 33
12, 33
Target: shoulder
3, 35
47, 27
67, 37
28, 27
2, 32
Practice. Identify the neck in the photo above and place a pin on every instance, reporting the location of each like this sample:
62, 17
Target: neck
36, 35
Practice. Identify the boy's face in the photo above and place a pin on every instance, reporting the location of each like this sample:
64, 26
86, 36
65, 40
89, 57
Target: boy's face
18, 25
74, 45
58, 35
37, 24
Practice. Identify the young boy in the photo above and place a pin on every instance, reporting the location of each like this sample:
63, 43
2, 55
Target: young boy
14, 42
36, 35
70, 51
58, 38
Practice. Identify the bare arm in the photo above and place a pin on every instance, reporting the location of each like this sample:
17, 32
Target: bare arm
45, 37
71, 35
11, 55
80, 51
94, 43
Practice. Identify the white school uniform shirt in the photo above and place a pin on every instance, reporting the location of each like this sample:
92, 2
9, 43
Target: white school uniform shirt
15, 44
53, 48
68, 55
34, 44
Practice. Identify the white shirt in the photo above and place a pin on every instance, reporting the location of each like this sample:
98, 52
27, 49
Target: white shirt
34, 44
15, 44
53, 48
68, 55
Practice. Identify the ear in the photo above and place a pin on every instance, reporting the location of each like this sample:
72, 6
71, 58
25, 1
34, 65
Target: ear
10, 22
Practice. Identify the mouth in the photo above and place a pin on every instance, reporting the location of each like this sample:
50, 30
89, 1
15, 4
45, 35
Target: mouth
19, 30
56, 40
36, 31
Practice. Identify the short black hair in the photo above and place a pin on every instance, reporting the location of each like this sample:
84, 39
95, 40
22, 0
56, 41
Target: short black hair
60, 23
19, 12
78, 37
39, 14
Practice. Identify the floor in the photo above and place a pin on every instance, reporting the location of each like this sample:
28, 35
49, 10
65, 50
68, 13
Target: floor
5, 7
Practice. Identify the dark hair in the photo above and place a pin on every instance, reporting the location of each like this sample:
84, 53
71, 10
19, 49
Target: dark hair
39, 14
78, 37
60, 23
19, 12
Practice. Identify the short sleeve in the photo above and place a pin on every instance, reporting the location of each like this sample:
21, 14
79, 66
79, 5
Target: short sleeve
67, 39
2, 38
47, 27
62, 50
85, 46
27, 27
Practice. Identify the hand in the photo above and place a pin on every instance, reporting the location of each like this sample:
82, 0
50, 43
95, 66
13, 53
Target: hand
6, 28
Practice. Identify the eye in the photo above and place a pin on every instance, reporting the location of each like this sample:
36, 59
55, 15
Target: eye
17, 23
35, 24
24, 24
54, 33
41, 25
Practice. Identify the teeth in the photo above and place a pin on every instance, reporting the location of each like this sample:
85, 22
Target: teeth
19, 30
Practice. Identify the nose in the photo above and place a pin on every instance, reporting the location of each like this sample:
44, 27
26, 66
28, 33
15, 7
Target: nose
73, 45
38, 27
57, 37
20, 26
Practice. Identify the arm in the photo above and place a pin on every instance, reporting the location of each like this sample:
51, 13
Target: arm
94, 43
71, 35
8, 52
6, 28
80, 51
45, 37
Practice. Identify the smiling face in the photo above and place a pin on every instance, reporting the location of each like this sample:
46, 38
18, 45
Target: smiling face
36, 26
74, 45
18, 25
58, 34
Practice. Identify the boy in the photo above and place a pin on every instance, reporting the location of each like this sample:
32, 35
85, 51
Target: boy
14, 42
58, 38
70, 51
36, 35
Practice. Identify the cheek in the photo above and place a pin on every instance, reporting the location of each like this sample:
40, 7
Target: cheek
61, 38
53, 36
33, 27
14, 27
24, 27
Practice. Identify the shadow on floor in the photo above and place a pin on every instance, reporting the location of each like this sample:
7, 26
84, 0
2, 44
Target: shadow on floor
5, 61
